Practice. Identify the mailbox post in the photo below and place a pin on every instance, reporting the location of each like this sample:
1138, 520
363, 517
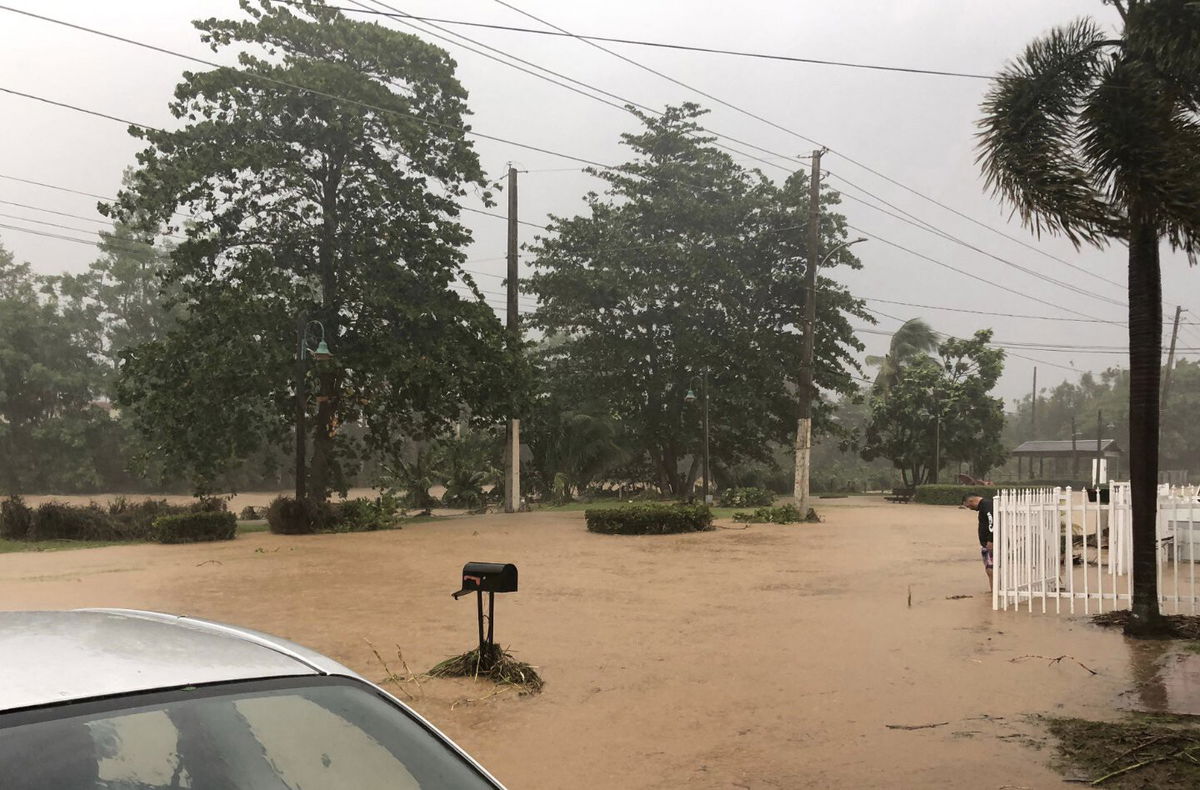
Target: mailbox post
490, 578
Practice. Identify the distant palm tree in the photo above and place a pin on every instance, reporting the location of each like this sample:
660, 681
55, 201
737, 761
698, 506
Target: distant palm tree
1098, 138
913, 339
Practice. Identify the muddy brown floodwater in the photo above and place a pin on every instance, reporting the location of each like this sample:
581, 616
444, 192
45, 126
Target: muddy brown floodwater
769, 657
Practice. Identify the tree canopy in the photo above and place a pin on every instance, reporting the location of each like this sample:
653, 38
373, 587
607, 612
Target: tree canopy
943, 407
689, 263
321, 180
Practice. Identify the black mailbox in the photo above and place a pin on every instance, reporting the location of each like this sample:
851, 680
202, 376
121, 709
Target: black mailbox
489, 577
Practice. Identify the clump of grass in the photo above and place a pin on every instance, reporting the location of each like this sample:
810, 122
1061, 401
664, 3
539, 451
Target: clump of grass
1153, 752
493, 663
1179, 626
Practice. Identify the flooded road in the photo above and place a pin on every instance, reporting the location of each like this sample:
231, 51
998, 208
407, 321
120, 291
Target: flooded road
861, 652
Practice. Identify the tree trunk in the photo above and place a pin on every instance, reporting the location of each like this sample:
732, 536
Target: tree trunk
323, 466
1145, 354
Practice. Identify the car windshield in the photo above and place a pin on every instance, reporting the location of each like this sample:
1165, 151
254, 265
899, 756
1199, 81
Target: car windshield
310, 734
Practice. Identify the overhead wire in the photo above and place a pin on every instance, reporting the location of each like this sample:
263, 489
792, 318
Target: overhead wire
781, 128
682, 47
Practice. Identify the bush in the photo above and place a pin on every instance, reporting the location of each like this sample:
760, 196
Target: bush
16, 519
250, 513
747, 497
951, 494
288, 516
57, 521
784, 514
195, 527
651, 518
364, 515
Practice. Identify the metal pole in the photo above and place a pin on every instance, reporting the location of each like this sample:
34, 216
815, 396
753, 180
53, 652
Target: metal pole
512, 443
301, 405
704, 395
937, 448
1099, 433
1033, 408
479, 613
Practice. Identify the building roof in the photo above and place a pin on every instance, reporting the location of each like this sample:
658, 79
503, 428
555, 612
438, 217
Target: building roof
53, 657
1082, 447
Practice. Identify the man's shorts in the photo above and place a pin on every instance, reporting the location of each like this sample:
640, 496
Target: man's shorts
986, 553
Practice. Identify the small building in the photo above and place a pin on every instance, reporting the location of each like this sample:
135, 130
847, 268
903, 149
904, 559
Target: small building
1067, 459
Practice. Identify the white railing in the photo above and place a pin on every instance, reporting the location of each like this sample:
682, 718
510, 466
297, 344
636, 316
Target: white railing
1054, 545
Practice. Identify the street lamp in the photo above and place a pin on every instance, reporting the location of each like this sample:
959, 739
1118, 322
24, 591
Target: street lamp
321, 353
689, 399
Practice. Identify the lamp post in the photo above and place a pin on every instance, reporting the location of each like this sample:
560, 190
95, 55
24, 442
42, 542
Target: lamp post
320, 353
805, 384
689, 399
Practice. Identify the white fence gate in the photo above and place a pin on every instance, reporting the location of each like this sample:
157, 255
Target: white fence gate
1054, 545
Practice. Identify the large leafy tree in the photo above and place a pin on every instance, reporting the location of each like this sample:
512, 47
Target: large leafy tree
322, 176
941, 410
1098, 138
49, 426
688, 262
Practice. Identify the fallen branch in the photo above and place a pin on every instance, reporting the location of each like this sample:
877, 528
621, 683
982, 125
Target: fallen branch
1055, 661
917, 726
958, 597
1134, 767
206, 562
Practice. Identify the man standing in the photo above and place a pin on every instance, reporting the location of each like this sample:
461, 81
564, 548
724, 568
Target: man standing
983, 506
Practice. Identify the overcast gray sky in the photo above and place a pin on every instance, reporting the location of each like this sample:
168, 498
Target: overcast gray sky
915, 129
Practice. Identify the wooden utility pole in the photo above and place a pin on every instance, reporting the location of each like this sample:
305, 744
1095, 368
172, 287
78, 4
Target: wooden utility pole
1074, 452
1170, 363
806, 388
512, 436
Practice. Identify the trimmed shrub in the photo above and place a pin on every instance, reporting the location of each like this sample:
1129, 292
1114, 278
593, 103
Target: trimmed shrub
195, 527
57, 521
288, 516
650, 518
16, 519
951, 494
747, 497
784, 514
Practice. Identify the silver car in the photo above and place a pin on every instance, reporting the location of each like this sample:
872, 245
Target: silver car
126, 700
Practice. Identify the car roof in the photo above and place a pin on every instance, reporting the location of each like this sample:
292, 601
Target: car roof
55, 657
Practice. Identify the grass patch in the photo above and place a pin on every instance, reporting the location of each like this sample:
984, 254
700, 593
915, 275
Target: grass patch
11, 546
493, 663
1147, 752
248, 527
1179, 626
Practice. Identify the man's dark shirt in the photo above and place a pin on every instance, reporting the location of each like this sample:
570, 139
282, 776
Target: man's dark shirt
985, 521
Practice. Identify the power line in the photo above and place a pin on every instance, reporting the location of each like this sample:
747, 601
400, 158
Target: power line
683, 47
912, 219
984, 280
786, 130
986, 312
404, 18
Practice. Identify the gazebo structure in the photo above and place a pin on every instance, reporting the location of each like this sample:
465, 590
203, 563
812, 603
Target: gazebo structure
1068, 459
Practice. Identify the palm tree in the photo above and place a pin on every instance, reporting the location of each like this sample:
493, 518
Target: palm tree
911, 340
1098, 138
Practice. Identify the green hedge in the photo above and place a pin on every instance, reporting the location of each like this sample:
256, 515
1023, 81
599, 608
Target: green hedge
747, 497
784, 514
953, 494
195, 527
286, 516
950, 494
649, 518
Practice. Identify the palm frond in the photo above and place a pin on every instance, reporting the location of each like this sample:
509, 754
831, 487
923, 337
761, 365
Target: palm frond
1028, 134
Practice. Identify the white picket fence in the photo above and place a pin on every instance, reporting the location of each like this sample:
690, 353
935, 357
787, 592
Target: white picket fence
1054, 546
